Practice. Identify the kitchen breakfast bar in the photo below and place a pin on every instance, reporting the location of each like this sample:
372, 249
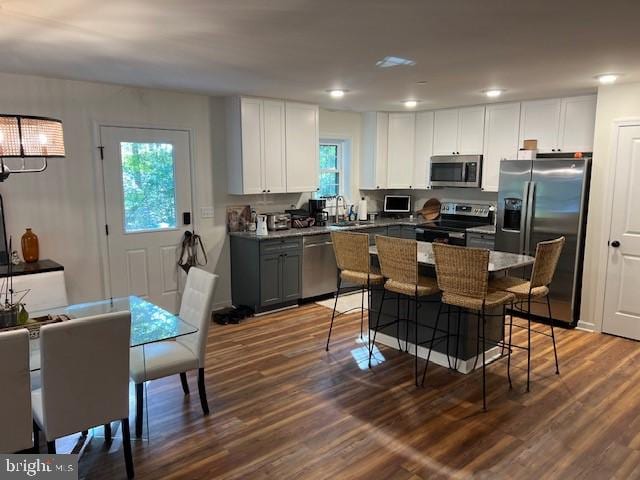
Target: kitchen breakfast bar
457, 346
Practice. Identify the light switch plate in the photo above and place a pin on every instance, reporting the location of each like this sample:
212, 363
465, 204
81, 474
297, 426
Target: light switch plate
206, 212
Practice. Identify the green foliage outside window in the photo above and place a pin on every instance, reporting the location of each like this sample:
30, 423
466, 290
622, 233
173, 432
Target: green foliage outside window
329, 171
148, 186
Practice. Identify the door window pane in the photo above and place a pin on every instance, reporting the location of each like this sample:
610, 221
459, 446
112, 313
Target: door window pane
148, 186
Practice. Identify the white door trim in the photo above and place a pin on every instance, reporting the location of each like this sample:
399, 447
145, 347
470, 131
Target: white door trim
603, 263
101, 205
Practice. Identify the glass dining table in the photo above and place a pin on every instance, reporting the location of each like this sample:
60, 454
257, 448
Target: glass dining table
149, 324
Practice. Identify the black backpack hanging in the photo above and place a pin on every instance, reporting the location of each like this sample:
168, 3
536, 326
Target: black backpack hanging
191, 245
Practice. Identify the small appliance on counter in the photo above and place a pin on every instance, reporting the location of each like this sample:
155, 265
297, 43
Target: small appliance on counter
261, 226
397, 205
278, 221
301, 218
317, 211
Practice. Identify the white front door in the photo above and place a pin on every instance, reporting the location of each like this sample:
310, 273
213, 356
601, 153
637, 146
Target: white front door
147, 182
622, 297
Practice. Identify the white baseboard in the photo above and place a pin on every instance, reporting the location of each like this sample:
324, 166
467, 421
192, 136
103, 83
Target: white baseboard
586, 326
464, 366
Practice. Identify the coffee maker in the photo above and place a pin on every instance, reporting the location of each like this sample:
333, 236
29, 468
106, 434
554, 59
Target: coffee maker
316, 211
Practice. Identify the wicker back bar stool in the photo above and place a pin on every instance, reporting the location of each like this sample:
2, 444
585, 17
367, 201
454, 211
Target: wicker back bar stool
463, 277
354, 264
532, 291
398, 260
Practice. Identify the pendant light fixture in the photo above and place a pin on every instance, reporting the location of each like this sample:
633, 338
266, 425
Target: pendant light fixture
26, 136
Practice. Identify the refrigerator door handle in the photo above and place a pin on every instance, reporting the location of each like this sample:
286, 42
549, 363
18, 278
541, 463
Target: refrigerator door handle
530, 213
523, 216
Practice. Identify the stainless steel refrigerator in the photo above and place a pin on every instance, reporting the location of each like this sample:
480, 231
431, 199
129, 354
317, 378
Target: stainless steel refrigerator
543, 199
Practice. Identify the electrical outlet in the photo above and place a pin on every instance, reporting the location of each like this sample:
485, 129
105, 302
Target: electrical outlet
206, 212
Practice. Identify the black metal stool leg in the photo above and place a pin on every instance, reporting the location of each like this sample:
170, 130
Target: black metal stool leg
375, 330
398, 322
433, 337
484, 367
361, 312
448, 330
415, 339
458, 339
475, 362
528, 341
368, 312
553, 336
509, 352
333, 316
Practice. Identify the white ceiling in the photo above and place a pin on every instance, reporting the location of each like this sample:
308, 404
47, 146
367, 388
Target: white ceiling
297, 49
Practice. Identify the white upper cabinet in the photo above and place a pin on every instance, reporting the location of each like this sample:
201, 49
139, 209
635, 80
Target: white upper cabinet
445, 132
471, 130
274, 165
401, 150
423, 150
251, 132
375, 134
302, 147
540, 120
256, 145
559, 124
577, 124
272, 146
458, 131
501, 131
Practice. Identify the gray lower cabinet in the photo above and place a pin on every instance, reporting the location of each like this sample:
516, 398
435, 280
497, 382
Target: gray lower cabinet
402, 231
266, 274
481, 240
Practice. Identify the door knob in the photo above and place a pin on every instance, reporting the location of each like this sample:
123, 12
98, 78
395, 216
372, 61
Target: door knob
615, 244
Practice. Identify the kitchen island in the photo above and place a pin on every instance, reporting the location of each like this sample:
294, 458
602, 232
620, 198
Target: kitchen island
465, 345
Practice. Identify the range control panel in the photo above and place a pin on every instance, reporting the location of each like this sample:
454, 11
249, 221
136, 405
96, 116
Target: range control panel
466, 209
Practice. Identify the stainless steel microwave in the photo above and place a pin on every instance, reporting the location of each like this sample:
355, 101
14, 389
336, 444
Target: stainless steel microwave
456, 171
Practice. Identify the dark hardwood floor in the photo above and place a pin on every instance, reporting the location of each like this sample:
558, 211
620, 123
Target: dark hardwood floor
282, 407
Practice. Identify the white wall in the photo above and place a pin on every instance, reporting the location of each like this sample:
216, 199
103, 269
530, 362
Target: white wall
60, 203
615, 102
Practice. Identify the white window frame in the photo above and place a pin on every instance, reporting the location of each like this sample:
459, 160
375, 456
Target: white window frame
340, 164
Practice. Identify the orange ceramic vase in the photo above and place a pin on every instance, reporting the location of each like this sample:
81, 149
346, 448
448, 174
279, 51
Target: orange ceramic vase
30, 248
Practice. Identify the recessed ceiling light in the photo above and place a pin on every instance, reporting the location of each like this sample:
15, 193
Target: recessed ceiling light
388, 62
493, 92
607, 78
336, 93
410, 103
421, 82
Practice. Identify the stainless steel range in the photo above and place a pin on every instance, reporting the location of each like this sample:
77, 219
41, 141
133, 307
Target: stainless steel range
454, 220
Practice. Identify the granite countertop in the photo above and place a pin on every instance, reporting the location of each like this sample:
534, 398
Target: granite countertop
498, 261
486, 229
302, 232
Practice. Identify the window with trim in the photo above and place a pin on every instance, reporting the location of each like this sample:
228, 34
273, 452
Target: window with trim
331, 160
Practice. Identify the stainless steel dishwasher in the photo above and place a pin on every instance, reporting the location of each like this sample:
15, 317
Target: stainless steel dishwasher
319, 270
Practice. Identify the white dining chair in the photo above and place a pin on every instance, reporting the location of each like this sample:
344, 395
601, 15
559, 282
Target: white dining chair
15, 394
162, 359
85, 378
